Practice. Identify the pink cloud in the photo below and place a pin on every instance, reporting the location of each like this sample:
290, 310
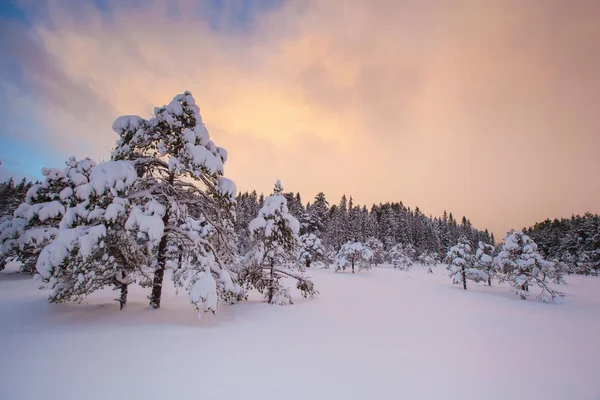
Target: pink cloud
488, 109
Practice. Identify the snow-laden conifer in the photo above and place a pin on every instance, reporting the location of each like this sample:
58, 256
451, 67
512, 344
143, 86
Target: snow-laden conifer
273, 256
378, 250
521, 265
460, 261
429, 258
330, 255
400, 256
484, 260
92, 248
36, 221
353, 255
311, 249
182, 205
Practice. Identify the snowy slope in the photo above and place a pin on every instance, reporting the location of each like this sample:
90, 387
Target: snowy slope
384, 334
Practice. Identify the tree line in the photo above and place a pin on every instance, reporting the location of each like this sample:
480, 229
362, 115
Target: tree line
574, 241
390, 223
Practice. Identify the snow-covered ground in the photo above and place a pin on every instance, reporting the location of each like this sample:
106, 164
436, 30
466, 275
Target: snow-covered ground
383, 334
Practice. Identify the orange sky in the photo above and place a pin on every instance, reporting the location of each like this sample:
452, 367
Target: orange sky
489, 109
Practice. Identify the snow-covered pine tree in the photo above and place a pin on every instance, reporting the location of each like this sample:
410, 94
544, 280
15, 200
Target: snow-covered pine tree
378, 250
36, 221
354, 226
93, 248
585, 264
294, 202
311, 249
520, 264
484, 260
182, 205
460, 264
353, 254
318, 216
273, 256
399, 256
559, 270
429, 258
330, 255
338, 231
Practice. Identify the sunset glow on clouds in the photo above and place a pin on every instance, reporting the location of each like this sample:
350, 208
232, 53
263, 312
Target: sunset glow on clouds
489, 109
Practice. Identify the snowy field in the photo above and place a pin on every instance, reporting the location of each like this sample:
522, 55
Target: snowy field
384, 334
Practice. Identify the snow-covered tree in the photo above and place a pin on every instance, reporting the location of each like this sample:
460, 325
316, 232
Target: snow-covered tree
585, 264
182, 205
92, 248
330, 255
559, 269
273, 256
36, 221
400, 256
71, 228
460, 264
338, 229
354, 255
311, 249
11, 196
484, 260
521, 265
378, 250
429, 258
318, 216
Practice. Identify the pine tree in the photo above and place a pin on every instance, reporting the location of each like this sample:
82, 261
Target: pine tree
330, 255
429, 258
354, 255
182, 205
93, 248
400, 256
311, 249
318, 216
36, 221
460, 263
520, 264
484, 260
274, 253
378, 250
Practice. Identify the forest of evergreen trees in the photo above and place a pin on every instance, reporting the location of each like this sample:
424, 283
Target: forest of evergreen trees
574, 241
11, 196
391, 223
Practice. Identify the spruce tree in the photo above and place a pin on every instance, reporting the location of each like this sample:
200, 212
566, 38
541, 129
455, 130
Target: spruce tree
36, 221
378, 250
273, 256
400, 256
311, 249
182, 205
521, 265
460, 262
484, 260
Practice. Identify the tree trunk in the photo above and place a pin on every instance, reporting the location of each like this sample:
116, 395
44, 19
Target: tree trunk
307, 263
157, 287
525, 288
489, 279
123, 296
271, 285
464, 277
161, 260
352, 266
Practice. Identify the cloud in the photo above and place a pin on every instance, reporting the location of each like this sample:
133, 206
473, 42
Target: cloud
485, 108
